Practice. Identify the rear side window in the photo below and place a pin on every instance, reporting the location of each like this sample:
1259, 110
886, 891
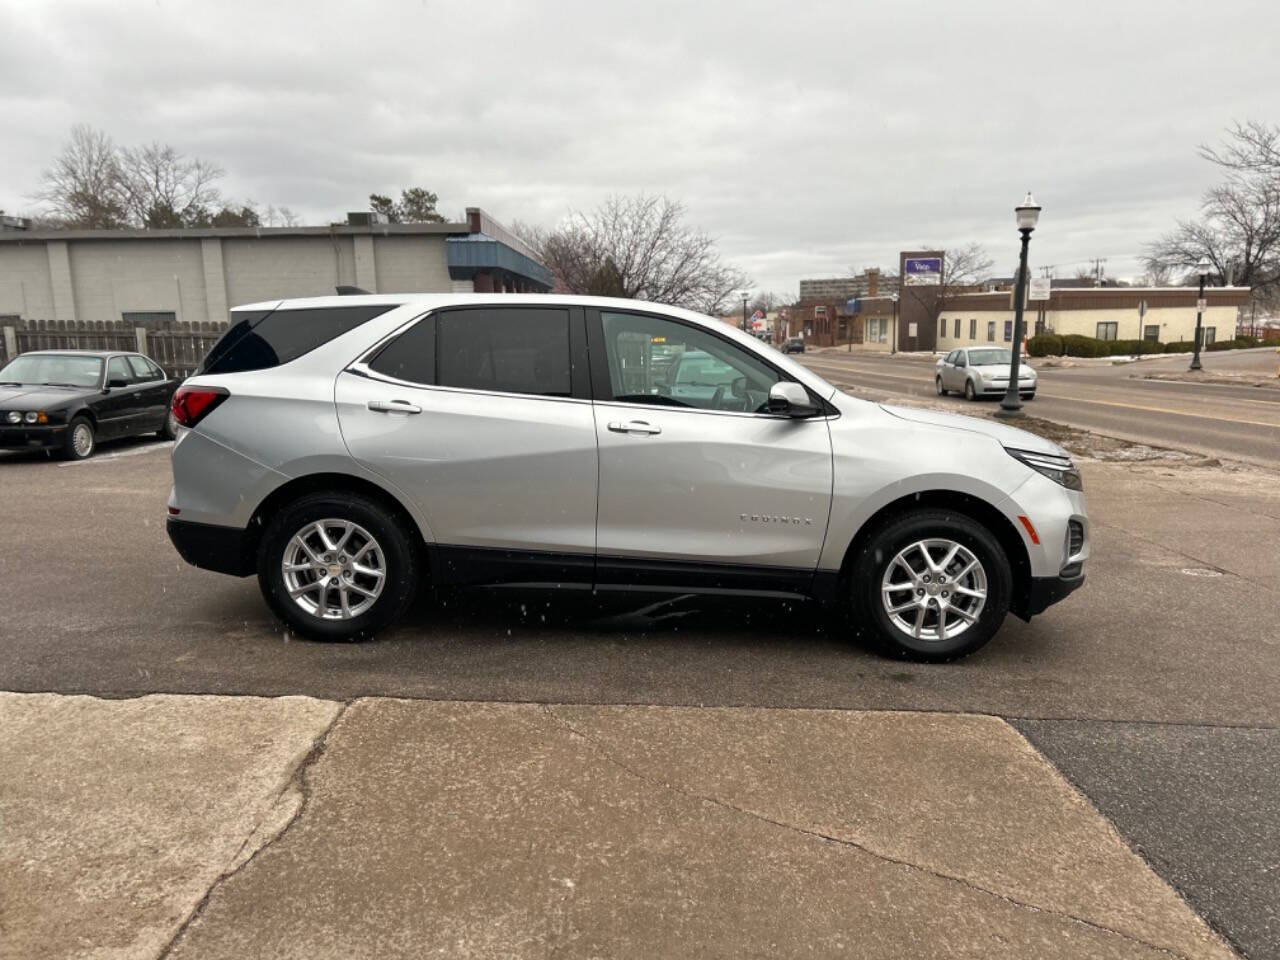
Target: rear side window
505, 349
411, 356
258, 341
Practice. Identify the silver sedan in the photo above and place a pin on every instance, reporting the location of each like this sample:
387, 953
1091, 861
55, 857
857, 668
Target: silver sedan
981, 371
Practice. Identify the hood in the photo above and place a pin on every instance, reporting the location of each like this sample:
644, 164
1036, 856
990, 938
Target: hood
40, 398
1007, 436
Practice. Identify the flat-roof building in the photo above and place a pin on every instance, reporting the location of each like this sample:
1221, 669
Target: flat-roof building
150, 277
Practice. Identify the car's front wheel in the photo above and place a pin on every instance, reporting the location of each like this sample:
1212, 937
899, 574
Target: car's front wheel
337, 566
80, 440
969, 393
932, 585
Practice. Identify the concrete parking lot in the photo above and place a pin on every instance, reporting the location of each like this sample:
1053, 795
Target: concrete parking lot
609, 810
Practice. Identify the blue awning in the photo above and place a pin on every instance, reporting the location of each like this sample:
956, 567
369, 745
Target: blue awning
480, 253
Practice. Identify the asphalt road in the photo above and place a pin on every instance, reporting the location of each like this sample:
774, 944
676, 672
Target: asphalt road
1170, 654
1222, 420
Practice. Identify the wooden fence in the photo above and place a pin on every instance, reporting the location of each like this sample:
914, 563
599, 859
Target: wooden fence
177, 347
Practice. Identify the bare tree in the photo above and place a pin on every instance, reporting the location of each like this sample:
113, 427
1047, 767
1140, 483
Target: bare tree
165, 189
637, 247
84, 188
1238, 230
1157, 275
963, 268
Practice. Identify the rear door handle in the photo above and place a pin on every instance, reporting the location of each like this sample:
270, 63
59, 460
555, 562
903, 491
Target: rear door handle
394, 406
634, 426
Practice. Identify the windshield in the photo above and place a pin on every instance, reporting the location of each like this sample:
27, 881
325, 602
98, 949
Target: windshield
994, 355
53, 370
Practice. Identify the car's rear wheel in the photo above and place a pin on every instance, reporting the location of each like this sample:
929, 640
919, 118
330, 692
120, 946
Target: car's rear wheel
337, 566
969, 393
937, 383
932, 585
170, 428
80, 440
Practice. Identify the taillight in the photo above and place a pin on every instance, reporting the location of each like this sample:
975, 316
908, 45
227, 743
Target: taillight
193, 404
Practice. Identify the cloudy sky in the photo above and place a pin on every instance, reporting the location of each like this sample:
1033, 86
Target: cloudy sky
809, 137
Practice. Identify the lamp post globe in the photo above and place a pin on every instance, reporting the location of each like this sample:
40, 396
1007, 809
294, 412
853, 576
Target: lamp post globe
1027, 215
1203, 268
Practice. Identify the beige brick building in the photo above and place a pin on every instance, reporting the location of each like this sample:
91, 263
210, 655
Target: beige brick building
194, 276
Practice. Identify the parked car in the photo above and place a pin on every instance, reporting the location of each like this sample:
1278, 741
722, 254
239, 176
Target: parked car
69, 401
982, 371
793, 345
348, 450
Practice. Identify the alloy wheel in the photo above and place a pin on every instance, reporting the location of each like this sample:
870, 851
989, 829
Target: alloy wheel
334, 569
82, 440
934, 590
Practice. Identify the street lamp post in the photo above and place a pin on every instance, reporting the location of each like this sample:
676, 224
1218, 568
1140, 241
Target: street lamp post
1203, 266
1028, 214
746, 295
893, 344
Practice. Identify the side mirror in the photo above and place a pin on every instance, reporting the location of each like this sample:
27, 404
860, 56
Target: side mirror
117, 382
789, 399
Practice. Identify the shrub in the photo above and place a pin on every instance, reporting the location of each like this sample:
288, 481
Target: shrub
1045, 345
1181, 346
1075, 345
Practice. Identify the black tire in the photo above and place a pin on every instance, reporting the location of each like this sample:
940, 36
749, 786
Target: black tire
402, 564
69, 451
170, 428
937, 382
969, 393
871, 622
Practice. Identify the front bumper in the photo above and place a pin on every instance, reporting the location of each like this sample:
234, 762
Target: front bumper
1044, 592
28, 437
997, 388
212, 547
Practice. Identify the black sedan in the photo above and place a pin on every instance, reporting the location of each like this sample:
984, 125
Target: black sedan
70, 400
793, 345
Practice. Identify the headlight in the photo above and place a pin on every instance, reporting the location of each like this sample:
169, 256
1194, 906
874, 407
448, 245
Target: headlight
31, 416
14, 416
1057, 468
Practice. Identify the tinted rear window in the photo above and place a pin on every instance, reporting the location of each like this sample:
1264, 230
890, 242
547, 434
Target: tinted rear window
260, 340
411, 356
505, 349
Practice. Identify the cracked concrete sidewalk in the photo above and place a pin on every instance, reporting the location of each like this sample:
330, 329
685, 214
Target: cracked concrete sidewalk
201, 826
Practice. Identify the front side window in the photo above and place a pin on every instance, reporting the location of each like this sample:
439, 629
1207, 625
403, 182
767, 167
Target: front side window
143, 369
505, 349
1107, 330
652, 360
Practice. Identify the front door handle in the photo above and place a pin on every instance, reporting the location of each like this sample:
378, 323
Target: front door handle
394, 406
634, 426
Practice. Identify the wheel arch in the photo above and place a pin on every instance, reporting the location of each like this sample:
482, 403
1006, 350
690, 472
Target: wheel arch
332, 482
975, 508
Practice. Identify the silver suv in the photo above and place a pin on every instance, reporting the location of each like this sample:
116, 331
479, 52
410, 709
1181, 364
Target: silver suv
350, 449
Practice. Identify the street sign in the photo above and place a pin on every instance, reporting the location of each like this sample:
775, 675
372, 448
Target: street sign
1202, 305
1142, 309
922, 271
1039, 288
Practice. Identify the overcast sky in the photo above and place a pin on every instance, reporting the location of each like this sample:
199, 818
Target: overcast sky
808, 137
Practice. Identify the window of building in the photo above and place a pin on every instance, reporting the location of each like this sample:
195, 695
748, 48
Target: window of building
504, 349
1008, 331
942, 328
151, 319
991, 330
264, 339
410, 356
1210, 335
652, 360
957, 328
1107, 329
973, 328
1151, 332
